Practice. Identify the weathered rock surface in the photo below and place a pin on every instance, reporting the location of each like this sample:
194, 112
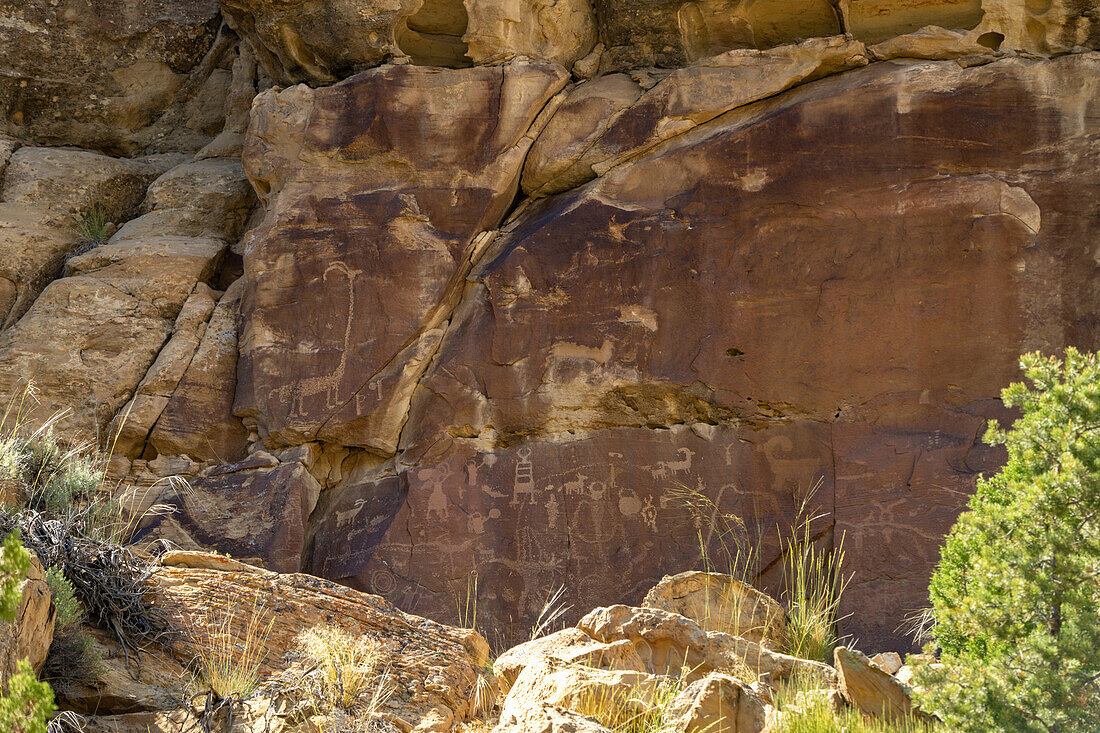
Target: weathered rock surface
718, 602
91, 337
101, 75
584, 690
256, 510
342, 321
869, 687
45, 193
793, 295
30, 634
568, 646
596, 129
318, 40
718, 703
668, 642
551, 719
435, 667
497, 30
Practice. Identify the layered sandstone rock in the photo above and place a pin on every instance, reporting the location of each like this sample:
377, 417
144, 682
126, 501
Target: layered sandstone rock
670, 643
795, 298
497, 30
599, 127
435, 668
370, 232
719, 602
45, 194
91, 337
718, 703
101, 75
863, 684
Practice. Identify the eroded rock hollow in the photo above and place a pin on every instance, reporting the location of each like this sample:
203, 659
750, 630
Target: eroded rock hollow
437, 298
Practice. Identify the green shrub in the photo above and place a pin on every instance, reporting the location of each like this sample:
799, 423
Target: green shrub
14, 563
27, 703
1016, 594
73, 655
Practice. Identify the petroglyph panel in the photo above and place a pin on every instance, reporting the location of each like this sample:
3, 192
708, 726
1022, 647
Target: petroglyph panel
375, 188
605, 516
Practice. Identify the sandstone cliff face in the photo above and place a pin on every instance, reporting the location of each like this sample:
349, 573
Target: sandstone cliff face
521, 278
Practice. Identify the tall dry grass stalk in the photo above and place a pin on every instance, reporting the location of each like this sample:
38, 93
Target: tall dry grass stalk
814, 584
234, 645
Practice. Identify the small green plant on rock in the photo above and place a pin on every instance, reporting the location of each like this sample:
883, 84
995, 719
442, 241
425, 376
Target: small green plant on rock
26, 704
1016, 594
93, 226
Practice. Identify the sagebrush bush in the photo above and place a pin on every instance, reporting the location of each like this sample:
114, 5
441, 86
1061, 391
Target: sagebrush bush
1016, 594
73, 656
351, 670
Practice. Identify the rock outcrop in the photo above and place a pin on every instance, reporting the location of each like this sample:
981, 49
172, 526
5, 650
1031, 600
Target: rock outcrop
548, 294
435, 668
118, 76
719, 602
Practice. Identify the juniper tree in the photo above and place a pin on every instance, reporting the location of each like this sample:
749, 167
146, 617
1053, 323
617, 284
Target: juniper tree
1016, 594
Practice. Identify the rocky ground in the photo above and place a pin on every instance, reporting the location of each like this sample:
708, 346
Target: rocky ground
414, 293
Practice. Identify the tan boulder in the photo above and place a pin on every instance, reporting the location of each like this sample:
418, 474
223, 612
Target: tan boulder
28, 637
543, 718
719, 602
869, 687
91, 337
889, 662
318, 41
930, 42
498, 30
668, 642
614, 696
435, 668
569, 646
1046, 27
718, 703
581, 141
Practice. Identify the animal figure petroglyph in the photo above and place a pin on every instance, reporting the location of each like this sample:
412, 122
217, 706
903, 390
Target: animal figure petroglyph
346, 516
788, 470
576, 486
681, 466
328, 384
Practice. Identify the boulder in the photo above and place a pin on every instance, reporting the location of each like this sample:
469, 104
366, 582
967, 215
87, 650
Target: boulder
719, 602
718, 703
118, 77
865, 685
930, 42
543, 718
889, 662
29, 636
256, 510
435, 668
568, 646
613, 696
318, 41
668, 642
